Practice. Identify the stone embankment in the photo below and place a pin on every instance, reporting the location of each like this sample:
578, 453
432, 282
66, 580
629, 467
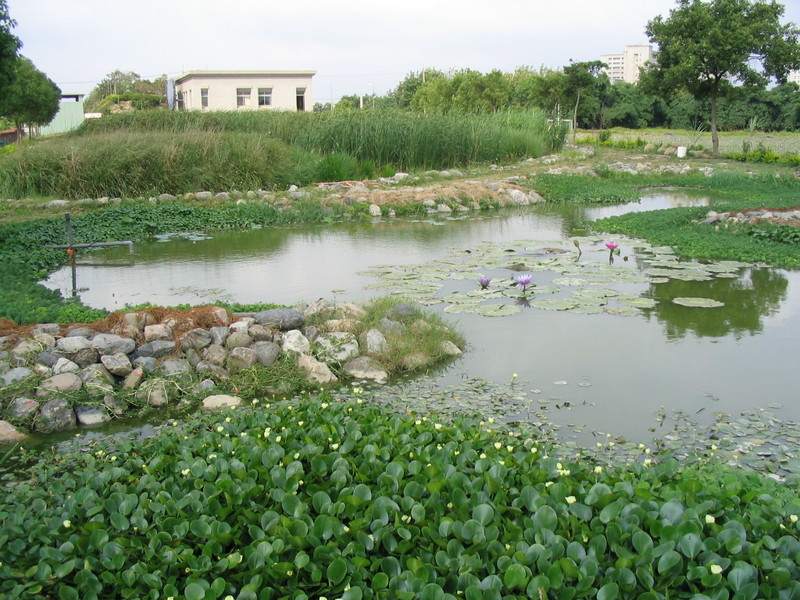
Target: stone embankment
788, 217
133, 360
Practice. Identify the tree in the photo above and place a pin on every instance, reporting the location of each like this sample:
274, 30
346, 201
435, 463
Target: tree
9, 47
579, 76
31, 97
706, 47
124, 82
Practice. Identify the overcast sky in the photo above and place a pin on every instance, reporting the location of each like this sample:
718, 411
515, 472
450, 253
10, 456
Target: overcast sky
356, 46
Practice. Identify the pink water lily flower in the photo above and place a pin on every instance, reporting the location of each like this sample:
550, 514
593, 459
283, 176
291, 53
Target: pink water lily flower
612, 245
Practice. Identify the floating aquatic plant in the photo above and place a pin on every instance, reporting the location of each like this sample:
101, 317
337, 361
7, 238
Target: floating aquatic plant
484, 282
523, 281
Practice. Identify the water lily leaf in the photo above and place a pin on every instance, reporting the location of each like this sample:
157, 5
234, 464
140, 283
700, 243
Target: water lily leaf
622, 311
498, 310
461, 308
638, 302
698, 302
554, 303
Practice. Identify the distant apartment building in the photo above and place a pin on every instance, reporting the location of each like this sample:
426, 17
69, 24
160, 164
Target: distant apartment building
244, 90
625, 66
794, 77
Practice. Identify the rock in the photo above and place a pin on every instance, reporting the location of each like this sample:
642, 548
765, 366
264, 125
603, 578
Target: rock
166, 198
222, 196
133, 380
80, 331
215, 354
91, 415
177, 369
156, 348
208, 367
46, 340
238, 340
192, 356
196, 339
153, 392
219, 334
443, 208
137, 321
204, 386
117, 364
352, 311
518, 197
56, 415
66, 382
295, 341
115, 405
26, 347
387, 325
415, 360
203, 195
16, 374
402, 312
374, 210
311, 332
159, 331
65, 365
535, 198
10, 434
48, 359
23, 408
241, 358
283, 319
260, 333
221, 401
319, 307
450, 348
374, 342
109, 343
48, 328
72, 344
341, 325
316, 371
145, 363
336, 347
266, 352
365, 367
85, 357
242, 325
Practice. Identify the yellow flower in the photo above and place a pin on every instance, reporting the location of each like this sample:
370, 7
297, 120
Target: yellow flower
482, 455
497, 445
437, 426
227, 419
185, 472
534, 450
548, 483
67, 523
571, 499
334, 447
710, 519
715, 569
418, 422
793, 518
220, 429
598, 469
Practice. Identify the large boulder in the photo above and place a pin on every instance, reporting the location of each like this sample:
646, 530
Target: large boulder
336, 347
56, 415
221, 401
241, 358
108, 343
295, 341
9, 434
156, 348
66, 382
284, 319
117, 364
15, 375
316, 371
266, 352
365, 367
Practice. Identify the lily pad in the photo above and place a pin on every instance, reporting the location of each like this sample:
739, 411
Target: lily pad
498, 310
698, 302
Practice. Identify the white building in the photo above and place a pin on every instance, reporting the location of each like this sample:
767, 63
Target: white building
625, 66
244, 90
794, 77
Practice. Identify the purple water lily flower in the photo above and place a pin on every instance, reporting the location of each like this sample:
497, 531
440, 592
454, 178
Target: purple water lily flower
484, 282
523, 281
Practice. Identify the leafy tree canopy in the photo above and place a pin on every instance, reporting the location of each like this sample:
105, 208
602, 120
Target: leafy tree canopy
705, 47
124, 82
9, 47
31, 96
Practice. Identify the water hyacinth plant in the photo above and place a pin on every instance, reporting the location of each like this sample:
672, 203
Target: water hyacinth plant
523, 281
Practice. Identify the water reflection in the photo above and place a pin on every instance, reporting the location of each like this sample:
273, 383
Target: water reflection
749, 299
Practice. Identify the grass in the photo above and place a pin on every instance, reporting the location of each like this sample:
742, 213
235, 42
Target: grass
325, 496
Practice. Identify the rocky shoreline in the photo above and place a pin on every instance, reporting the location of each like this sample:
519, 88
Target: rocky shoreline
156, 361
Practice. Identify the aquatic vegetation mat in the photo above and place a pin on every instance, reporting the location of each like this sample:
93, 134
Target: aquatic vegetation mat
580, 275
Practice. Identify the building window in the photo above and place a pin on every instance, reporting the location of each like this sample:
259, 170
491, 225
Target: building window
180, 101
265, 96
204, 97
242, 97
301, 98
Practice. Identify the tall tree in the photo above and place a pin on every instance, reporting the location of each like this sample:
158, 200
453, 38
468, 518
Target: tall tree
706, 47
579, 76
9, 47
31, 98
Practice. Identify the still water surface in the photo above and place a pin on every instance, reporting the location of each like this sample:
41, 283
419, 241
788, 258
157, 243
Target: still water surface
599, 373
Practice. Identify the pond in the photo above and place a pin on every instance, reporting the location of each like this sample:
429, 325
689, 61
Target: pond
597, 345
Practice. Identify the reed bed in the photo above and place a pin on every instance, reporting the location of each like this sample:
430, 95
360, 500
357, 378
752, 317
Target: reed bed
150, 152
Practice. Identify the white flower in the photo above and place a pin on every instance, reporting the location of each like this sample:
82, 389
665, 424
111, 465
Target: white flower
334, 447
229, 597
482, 455
300, 423
418, 422
296, 455
510, 448
497, 445
67, 523
278, 439
255, 402
227, 419
647, 462
534, 450
598, 469
212, 456
457, 452
185, 472
113, 458
710, 519
793, 518
220, 429
571, 499
715, 569
324, 405
491, 420
548, 484
502, 462
437, 426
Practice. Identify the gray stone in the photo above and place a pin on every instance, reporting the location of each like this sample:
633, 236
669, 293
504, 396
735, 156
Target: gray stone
156, 348
517, 197
56, 415
352, 311
22, 408
316, 371
85, 357
159, 331
27, 347
336, 347
147, 364
374, 342
16, 374
154, 392
115, 405
72, 344
10, 434
365, 367
387, 325
295, 341
317, 307
66, 382
311, 332
97, 380
91, 415
192, 356
238, 340
208, 367
133, 380
177, 369
266, 352
221, 401
341, 325
196, 339
204, 386
109, 343
415, 360
242, 325
117, 364
374, 210
219, 334
241, 358
48, 359
215, 354
222, 196
450, 348
260, 333
284, 319
81, 331
48, 328
402, 312
203, 195
443, 208
65, 365
46, 340
166, 198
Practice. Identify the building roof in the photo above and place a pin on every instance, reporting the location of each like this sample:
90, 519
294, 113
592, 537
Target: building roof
190, 74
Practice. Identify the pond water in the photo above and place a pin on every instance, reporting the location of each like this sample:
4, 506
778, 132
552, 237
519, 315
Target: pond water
611, 365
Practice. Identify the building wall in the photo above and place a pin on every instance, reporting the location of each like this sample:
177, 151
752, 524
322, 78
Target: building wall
625, 66
240, 90
794, 77
68, 117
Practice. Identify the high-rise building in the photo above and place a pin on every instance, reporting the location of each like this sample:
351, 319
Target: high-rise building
625, 66
794, 77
